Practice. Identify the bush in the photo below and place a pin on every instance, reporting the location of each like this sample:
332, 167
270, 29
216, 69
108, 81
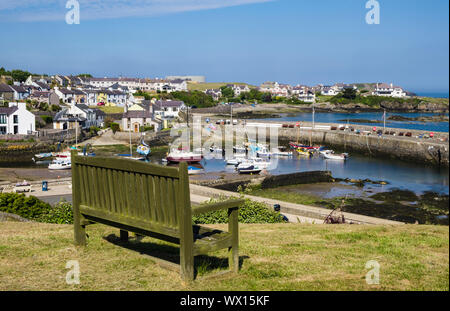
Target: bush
114, 127
43, 106
146, 128
93, 130
47, 119
27, 207
55, 108
250, 213
34, 209
62, 213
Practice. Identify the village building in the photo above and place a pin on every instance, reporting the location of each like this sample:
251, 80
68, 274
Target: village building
384, 89
16, 119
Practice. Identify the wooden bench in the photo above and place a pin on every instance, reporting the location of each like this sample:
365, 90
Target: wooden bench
150, 200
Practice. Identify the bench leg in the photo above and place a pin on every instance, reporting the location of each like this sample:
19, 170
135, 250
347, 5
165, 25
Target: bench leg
233, 251
186, 263
124, 236
80, 232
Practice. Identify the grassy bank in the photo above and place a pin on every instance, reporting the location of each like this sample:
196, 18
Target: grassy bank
212, 85
274, 257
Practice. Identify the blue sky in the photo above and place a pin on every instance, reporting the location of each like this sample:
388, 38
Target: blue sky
290, 41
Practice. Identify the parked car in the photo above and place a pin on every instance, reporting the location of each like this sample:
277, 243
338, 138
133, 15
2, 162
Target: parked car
100, 104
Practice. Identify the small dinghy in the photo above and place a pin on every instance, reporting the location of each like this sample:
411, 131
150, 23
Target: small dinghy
143, 149
234, 161
330, 155
43, 155
249, 170
192, 170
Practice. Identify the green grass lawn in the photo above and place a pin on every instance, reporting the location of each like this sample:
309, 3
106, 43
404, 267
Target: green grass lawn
109, 109
33, 256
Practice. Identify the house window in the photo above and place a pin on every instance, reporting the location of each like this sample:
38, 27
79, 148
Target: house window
15, 119
3, 119
2, 129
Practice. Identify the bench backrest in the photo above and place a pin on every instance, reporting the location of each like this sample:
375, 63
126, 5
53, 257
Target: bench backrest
133, 193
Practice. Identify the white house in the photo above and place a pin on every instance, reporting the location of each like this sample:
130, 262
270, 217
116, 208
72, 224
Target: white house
168, 109
77, 114
276, 89
307, 96
329, 91
20, 93
239, 89
214, 93
383, 89
132, 120
16, 119
116, 97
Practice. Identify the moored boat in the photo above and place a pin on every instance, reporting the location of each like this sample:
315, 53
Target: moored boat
249, 170
44, 155
190, 157
60, 164
332, 156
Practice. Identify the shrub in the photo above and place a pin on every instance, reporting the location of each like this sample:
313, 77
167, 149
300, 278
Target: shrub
114, 127
34, 209
250, 213
47, 119
62, 213
146, 128
27, 207
94, 130
55, 108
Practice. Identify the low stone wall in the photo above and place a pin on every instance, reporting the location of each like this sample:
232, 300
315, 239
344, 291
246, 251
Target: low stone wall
296, 178
273, 181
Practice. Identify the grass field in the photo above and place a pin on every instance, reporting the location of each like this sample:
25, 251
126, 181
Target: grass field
109, 109
33, 256
211, 85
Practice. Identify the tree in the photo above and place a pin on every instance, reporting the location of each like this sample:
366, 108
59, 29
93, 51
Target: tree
349, 93
227, 92
20, 75
266, 97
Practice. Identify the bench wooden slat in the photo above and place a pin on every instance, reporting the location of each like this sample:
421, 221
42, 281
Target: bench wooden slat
127, 165
130, 221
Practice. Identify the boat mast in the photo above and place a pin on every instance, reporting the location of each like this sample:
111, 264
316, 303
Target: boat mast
384, 120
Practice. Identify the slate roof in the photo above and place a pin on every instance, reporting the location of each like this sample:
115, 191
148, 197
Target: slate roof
5, 88
8, 110
138, 114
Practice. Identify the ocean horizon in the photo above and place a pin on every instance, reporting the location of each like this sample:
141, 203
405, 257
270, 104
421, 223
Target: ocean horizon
433, 94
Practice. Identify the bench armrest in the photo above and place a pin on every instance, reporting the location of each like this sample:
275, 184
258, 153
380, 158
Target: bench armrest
234, 203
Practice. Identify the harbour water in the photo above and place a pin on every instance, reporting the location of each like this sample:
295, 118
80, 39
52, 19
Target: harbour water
326, 117
397, 174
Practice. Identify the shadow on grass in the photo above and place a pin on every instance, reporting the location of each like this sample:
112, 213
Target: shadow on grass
171, 254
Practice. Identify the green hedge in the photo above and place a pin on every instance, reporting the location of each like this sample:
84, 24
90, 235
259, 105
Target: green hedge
250, 213
34, 209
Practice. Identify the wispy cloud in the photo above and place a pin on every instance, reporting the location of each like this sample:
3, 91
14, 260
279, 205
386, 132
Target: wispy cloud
54, 10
